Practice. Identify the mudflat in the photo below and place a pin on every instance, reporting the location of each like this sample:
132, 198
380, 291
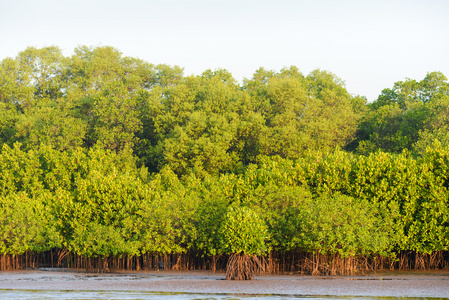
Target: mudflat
429, 284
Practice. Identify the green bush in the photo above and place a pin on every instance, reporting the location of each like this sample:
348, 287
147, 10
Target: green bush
243, 231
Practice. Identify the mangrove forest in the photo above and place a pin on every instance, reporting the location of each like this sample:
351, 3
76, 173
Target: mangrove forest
109, 163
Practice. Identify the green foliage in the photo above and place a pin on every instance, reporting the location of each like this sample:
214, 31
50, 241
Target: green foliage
436, 126
108, 199
243, 231
19, 171
344, 225
280, 206
39, 71
198, 125
26, 225
97, 240
213, 196
431, 225
301, 113
107, 155
162, 224
410, 113
328, 224
114, 121
8, 119
14, 87
50, 125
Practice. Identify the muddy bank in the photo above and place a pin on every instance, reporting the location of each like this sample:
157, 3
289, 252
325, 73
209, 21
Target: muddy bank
395, 285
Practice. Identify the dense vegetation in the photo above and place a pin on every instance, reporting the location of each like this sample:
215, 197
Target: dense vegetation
111, 162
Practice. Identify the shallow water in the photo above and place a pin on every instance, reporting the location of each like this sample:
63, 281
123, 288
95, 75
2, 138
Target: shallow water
50, 284
128, 295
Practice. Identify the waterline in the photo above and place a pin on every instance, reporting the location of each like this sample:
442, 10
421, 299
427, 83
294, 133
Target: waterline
132, 295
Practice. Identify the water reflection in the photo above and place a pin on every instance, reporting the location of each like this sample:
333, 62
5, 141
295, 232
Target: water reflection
51, 294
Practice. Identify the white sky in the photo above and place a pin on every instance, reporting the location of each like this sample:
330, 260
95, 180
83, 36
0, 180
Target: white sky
370, 44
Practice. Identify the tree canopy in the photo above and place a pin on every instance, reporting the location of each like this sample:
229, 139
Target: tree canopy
104, 155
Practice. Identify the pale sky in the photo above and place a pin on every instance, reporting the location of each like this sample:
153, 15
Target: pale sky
369, 44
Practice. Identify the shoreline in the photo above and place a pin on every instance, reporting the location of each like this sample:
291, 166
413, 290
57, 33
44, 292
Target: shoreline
394, 284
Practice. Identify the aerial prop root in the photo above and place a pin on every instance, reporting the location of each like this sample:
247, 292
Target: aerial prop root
241, 266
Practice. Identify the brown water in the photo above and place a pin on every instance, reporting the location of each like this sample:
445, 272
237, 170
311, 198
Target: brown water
63, 284
43, 294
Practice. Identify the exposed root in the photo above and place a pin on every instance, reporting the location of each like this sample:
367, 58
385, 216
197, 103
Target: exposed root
242, 267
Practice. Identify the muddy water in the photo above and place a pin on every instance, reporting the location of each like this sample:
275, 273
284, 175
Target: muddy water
42, 294
53, 284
